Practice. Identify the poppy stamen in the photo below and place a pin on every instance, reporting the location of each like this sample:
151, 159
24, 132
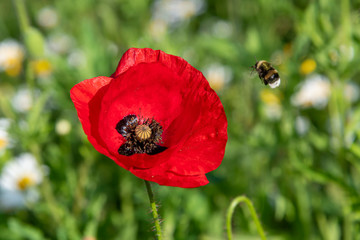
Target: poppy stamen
143, 132
142, 135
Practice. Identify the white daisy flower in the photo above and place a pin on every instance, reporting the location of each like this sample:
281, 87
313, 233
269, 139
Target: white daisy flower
47, 17
11, 199
17, 179
21, 173
59, 43
11, 56
22, 101
177, 11
314, 92
218, 76
5, 141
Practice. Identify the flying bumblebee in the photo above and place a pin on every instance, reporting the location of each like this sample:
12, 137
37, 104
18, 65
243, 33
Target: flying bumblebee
267, 73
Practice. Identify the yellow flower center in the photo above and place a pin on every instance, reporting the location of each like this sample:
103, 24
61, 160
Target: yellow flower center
25, 182
307, 66
42, 67
14, 66
269, 98
216, 81
217, 86
143, 132
3, 143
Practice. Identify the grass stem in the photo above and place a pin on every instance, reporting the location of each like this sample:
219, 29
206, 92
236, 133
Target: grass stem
230, 213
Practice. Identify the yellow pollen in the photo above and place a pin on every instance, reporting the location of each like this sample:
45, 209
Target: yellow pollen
143, 132
25, 182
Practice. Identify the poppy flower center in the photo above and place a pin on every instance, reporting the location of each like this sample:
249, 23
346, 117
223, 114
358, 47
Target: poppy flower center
142, 135
143, 132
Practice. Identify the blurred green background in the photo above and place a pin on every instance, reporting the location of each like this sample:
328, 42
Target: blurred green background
294, 151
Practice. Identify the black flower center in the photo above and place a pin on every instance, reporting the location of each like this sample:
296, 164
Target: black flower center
142, 135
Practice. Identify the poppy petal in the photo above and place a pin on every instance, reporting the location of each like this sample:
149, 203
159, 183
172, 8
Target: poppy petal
154, 85
87, 96
155, 95
168, 178
204, 149
135, 56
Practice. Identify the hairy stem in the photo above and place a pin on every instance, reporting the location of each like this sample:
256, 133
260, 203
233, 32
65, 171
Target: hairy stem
154, 211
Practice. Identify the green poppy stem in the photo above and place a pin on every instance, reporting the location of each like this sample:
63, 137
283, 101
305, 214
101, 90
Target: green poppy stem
230, 212
154, 210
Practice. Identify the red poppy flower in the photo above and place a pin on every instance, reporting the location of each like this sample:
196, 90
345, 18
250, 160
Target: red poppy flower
156, 116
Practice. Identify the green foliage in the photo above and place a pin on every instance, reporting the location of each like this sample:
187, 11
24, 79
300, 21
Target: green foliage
304, 181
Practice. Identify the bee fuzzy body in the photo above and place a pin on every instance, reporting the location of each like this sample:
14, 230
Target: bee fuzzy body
267, 74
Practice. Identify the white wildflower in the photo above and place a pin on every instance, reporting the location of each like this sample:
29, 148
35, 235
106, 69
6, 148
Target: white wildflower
22, 101
59, 43
47, 17
218, 76
177, 11
4, 135
17, 181
11, 56
314, 92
